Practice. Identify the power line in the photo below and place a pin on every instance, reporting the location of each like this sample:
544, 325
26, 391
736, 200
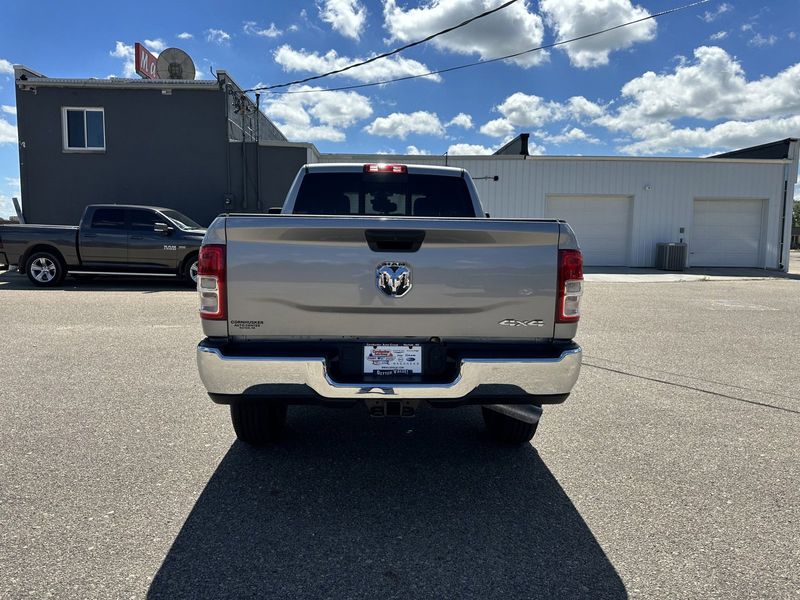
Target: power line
385, 54
491, 60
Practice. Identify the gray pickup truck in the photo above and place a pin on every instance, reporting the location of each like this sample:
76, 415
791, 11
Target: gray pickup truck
112, 239
387, 285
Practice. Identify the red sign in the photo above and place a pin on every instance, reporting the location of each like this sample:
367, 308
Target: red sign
145, 62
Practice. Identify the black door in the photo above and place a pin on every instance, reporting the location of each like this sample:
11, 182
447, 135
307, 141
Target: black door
104, 242
148, 249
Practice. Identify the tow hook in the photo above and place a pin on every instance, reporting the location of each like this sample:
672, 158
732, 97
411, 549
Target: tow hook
392, 408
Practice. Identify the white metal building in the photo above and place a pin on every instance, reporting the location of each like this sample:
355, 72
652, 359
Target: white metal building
732, 211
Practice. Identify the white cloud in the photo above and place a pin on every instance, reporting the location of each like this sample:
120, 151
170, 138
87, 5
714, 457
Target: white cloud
499, 128
317, 115
711, 15
510, 30
386, 68
6, 206
156, 45
522, 110
218, 36
713, 86
469, 149
661, 138
414, 151
580, 109
573, 18
251, 28
185, 36
461, 120
567, 135
759, 41
8, 109
345, 16
126, 53
720, 35
401, 124
535, 149
6, 67
8, 132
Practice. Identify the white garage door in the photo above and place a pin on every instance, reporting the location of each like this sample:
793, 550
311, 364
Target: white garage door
726, 233
602, 224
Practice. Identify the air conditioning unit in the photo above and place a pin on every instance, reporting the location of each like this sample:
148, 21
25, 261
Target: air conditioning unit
671, 257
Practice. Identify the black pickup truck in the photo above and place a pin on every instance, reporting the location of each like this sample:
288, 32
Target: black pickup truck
112, 239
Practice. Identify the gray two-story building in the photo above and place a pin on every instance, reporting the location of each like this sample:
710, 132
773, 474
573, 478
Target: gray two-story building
199, 146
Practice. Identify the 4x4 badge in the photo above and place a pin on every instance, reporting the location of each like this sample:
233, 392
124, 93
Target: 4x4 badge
518, 323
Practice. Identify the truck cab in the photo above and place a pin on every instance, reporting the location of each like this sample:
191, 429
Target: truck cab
111, 239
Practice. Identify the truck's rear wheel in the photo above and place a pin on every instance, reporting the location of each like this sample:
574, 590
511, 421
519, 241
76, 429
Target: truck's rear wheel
190, 270
258, 423
45, 269
508, 429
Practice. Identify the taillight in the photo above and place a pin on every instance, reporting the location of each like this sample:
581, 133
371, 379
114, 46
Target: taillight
211, 281
570, 286
384, 168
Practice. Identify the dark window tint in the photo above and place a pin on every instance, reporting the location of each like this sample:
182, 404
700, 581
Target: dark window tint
95, 137
384, 194
182, 220
75, 129
144, 220
109, 218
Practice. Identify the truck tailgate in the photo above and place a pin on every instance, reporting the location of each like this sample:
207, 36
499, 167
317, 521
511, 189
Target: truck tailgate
316, 277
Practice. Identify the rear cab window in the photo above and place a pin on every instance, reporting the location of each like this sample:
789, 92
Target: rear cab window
387, 194
108, 218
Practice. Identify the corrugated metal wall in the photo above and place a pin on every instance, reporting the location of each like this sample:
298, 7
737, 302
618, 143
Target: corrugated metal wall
663, 190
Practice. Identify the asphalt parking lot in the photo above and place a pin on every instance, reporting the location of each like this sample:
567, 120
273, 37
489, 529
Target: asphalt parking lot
671, 472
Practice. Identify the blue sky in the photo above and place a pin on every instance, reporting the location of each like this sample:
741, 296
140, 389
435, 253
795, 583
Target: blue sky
719, 76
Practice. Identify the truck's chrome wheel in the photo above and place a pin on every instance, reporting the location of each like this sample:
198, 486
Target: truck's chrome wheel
43, 269
193, 271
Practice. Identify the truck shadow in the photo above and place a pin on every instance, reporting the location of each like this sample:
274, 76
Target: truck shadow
421, 508
13, 281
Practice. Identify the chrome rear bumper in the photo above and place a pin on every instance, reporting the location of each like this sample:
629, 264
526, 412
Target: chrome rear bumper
235, 375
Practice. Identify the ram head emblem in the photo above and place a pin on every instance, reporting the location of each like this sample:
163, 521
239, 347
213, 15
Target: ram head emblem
393, 279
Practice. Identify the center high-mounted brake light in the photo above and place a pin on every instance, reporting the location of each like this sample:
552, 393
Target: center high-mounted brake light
211, 282
384, 168
570, 286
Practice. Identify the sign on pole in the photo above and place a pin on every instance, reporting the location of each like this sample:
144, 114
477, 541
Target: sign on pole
145, 62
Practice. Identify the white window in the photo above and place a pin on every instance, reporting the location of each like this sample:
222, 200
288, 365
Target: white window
84, 129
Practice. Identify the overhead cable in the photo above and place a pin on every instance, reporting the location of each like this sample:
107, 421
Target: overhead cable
385, 54
484, 62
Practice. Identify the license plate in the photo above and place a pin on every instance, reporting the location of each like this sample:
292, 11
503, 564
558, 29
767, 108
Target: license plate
392, 359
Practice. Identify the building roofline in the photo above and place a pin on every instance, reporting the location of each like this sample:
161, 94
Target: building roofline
522, 140
428, 157
733, 153
28, 77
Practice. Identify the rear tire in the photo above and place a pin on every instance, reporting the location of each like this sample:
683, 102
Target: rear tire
45, 269
190, 270
258, 422
506, 429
